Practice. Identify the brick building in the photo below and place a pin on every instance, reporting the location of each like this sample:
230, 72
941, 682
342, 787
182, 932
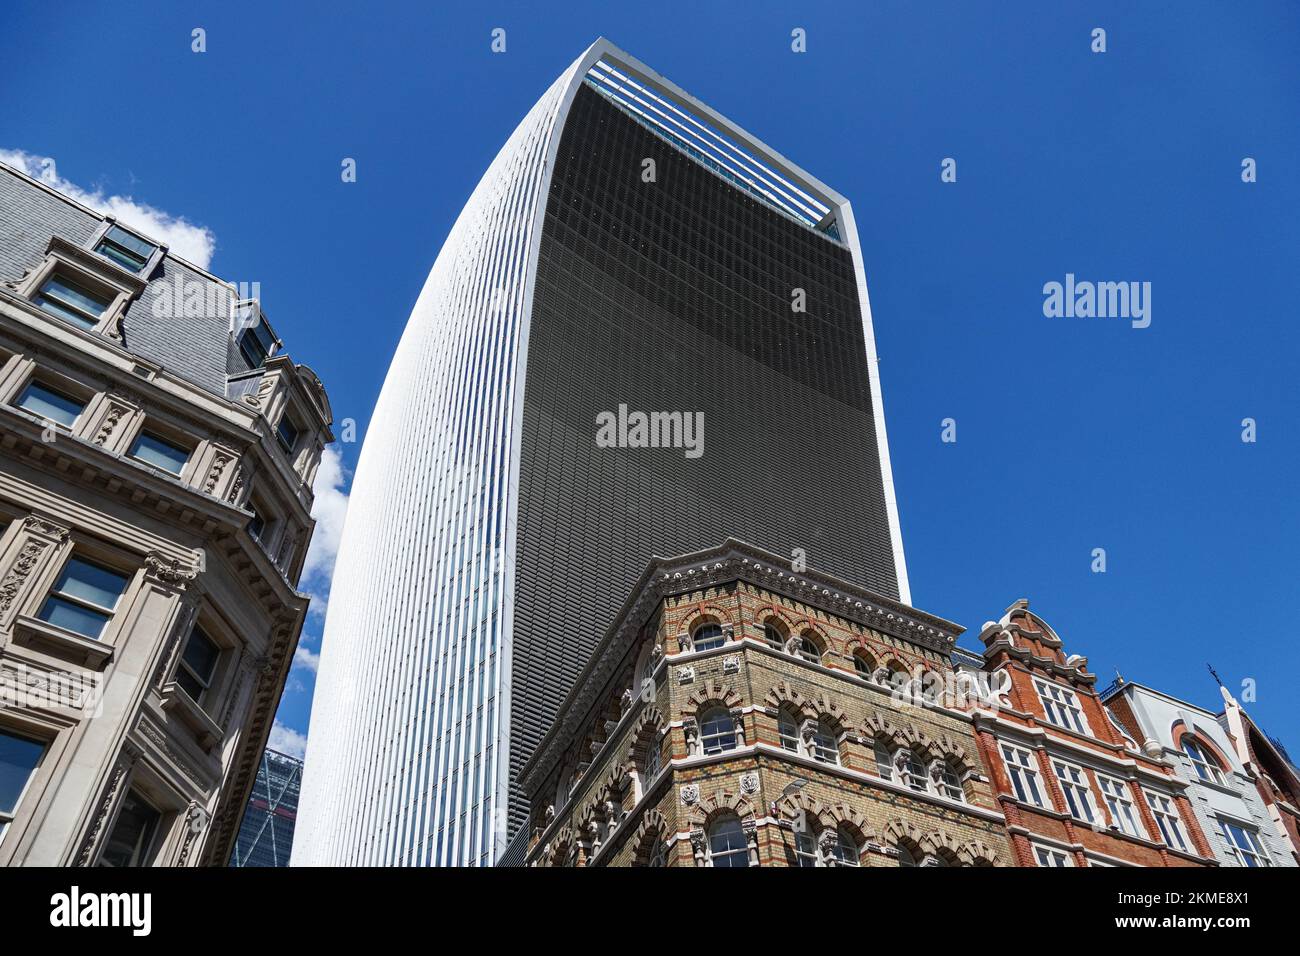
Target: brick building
157, 454
1075, 787
738, 713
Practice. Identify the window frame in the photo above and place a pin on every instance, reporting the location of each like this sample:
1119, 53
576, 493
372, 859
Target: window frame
731, 853
1168, 812
1048, 692
1202, 759
182, 664
53, 593
1123, 797
719, 736
1241, 854
1029, 769
38, 379
103, 236
721, 638
7, 817
1041, 850
165, 436
1073, 781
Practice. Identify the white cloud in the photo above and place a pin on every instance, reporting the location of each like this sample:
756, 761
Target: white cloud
304, 658
329, 510
287, 740
182, 237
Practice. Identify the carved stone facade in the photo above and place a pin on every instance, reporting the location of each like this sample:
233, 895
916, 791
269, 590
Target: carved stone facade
147, 616
772, 754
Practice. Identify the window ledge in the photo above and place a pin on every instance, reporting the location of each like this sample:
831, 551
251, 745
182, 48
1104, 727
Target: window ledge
59, 642
175, 700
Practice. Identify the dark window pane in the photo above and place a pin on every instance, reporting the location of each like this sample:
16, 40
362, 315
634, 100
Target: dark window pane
201, 656
91, 583
74, 617
160, 453
127, 250
286, 434
49, 404
18, 759
132, 837
70, 301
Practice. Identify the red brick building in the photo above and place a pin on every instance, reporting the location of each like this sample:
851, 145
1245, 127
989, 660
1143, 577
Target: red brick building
1076, 790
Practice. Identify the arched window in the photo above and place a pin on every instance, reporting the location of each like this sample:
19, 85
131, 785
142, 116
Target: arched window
727, 844
805, 848
707, 637
1207, 768
824, 746
845, 848
807, 649
905, 857
948, 782
658, 854
913, 771
773, 634
651, 759
863, 665
717, 731
788, 728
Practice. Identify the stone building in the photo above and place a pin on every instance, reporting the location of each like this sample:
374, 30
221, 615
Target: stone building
1221, 793
740, 714
1075, 786
1276, 778
157, 452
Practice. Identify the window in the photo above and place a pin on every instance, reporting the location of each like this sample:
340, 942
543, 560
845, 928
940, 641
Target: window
824, 746
1171, 827
1207, 768
807, 649
772, 634
1244, 844
949, 783
905, 857
1078, 795
19, 758
50, 404
884, 765
717, 732
727, 844
707, 637
1061, 707
1048, 856
788, 730
652, 759
1119, 804
72, 303
255, 343
863, 666
913, 771
658, 854
257, 524
198, 665
286, 434
126, 249
805, 848
84, 598
131, 841
1023, 771
845, 848
159, 452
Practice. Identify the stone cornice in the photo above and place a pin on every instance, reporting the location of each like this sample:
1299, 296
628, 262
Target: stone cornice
733, 561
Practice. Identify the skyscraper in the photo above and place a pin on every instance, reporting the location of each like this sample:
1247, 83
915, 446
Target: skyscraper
266, 833
633, 272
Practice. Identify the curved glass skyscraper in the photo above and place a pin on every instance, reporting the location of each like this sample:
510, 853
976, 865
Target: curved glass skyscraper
628, 251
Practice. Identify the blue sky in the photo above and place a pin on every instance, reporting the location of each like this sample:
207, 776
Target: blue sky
1072, 434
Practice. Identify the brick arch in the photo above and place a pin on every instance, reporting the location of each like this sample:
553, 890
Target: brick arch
878, 727
770, 612
790, 807
708, 614
857, 647
945, 845
947, 748
711, 694
977, 853
709, 809
815, 633
649, 726
783, 695
916, 740
557, 851
653, 828
843, 815
901, 831
824, 708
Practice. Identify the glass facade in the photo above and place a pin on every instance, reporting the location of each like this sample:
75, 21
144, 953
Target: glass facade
266, 834
481, 502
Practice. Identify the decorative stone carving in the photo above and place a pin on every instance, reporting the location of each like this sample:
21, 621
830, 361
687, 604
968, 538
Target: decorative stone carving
111, 420
20, 571
749, 783
685, 675
738, 721
690, 794
236, 487
168, 570
731, 664
196, 821
684, 643
691, 730
219, 464
827, 842
699, 846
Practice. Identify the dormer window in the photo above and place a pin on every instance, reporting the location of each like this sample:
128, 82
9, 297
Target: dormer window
72, 302
255, 338
126, 249
287, 434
